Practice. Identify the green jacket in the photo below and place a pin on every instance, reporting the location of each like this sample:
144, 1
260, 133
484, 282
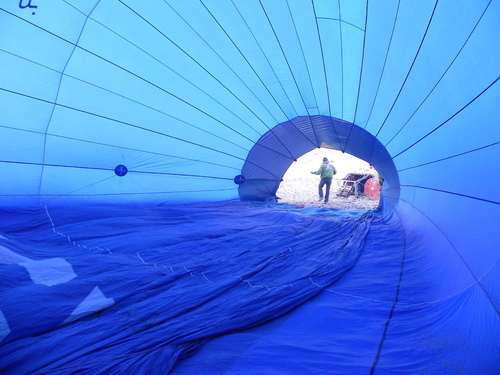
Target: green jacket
326, 171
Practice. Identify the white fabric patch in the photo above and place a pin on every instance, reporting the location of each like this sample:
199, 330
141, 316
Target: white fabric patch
94, 302
4, 326
49, 272
9, 257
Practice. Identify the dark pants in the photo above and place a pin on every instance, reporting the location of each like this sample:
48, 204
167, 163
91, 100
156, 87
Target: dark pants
327, 182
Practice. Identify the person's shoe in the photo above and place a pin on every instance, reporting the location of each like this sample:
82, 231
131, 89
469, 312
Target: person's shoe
320, 199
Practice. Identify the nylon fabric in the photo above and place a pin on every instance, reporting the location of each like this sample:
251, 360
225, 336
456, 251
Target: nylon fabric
206, 104
169, 278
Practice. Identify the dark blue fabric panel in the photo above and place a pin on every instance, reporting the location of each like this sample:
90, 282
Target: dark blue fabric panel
147, 285
387, 315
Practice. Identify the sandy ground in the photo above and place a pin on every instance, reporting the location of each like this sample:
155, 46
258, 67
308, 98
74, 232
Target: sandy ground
300, 187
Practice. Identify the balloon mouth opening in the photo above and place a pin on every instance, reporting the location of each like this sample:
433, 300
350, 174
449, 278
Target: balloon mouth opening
271, 156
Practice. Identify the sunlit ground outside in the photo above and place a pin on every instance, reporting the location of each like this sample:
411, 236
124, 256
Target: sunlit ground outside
300, 188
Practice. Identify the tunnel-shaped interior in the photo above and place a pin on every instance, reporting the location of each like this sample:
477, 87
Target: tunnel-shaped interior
124, 244
272, 154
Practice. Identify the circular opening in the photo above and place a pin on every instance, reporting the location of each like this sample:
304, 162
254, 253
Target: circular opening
300, 187
270, 158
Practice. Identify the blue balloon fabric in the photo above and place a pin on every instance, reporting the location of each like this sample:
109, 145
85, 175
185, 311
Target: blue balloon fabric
167, 279
142, 146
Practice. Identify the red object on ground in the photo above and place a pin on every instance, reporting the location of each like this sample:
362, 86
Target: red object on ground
372, 188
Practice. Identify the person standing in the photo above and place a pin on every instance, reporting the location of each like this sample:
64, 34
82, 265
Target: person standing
326, 172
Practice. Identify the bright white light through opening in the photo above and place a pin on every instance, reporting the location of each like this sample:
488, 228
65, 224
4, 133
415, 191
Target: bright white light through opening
299, 187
